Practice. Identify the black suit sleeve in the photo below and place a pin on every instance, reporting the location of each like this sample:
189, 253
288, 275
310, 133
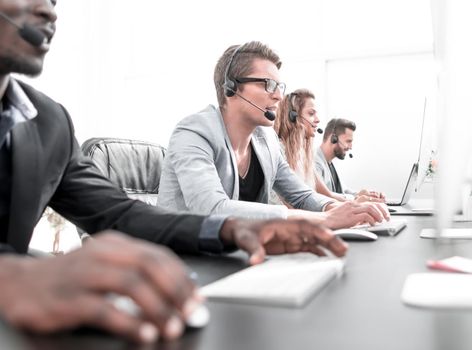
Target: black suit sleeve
6, 249
90, 201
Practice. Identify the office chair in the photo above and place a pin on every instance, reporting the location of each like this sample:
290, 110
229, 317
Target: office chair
134, 166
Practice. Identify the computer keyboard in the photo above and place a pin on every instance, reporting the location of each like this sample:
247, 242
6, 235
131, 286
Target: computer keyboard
386, 228
283, 280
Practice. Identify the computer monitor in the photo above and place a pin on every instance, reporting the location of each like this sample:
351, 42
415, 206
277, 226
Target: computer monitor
453, 54
410, 186
428, 145
414, 179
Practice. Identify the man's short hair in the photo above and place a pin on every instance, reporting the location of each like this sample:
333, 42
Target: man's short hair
338, 126
241, 65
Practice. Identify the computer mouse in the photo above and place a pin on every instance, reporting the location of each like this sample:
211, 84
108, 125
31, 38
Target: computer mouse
354, 234
199, 317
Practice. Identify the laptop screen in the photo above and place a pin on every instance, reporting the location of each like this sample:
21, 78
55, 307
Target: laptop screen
410, 185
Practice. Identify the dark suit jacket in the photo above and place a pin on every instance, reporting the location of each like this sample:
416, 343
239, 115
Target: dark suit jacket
48, 168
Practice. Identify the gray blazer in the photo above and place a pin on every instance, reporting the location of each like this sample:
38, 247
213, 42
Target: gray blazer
322, 168
200, 173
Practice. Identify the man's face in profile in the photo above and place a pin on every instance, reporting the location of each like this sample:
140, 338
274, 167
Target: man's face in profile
16, 54
344, 144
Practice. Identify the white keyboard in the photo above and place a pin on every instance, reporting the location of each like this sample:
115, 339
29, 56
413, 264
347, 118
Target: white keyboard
386, 228
283, 280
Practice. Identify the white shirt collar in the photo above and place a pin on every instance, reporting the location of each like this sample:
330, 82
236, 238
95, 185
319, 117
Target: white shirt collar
18, 99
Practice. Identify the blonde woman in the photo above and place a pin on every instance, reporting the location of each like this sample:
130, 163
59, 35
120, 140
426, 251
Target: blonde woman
296, 125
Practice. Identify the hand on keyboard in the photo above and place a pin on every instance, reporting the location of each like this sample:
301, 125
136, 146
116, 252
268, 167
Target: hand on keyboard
278, 236
370, 196
348, 214
385, 228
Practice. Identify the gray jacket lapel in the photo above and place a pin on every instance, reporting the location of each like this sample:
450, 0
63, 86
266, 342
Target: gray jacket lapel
235, 194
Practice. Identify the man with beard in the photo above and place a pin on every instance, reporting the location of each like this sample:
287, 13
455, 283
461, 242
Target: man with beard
337, 141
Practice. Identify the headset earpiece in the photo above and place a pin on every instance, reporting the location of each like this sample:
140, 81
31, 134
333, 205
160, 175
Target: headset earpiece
230, 85
334, 135
292, 115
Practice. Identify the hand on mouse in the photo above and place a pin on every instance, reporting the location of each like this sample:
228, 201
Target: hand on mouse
68, 291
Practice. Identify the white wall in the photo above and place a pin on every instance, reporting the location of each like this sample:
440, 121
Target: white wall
379, 68
133, 69
387, 105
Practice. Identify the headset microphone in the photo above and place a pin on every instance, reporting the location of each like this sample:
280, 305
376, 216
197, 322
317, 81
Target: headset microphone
30, 34
268, 114
318, 130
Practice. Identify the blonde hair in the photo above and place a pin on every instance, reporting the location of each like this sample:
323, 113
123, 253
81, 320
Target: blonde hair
298, 148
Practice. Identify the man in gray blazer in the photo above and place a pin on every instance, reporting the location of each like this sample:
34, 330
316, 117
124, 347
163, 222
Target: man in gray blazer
337, 141
226, 159
41, 164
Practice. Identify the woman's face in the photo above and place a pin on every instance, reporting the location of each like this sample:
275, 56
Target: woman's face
309, 119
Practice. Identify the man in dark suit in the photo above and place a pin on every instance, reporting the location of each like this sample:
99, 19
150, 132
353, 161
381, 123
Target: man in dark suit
41, 164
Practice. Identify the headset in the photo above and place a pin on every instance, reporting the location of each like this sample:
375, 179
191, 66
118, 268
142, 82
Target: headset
334, 136
29, 33
230, 85
292, 114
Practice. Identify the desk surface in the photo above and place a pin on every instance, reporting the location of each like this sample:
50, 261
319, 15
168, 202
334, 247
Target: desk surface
361, 310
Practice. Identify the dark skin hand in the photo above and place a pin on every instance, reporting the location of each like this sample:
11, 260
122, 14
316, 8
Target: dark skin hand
67, 291
72, 290
279, 236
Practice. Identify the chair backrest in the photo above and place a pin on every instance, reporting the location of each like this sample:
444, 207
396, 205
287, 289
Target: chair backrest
134, 166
